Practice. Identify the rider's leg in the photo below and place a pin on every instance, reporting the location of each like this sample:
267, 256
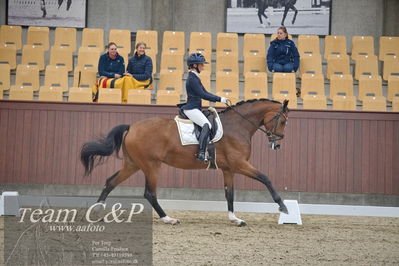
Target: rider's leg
199, 118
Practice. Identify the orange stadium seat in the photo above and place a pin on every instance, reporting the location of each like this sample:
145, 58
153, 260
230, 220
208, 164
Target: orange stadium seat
84, 77
150, 38
393, 87
227, 81
227, 43
77, 94
254, 63
343, 102
122, 39
11, 35
255, 85
56, 77
395, 103
341, 85
312, 84
229, 94
33, 56
283, 95
172, 61
61, 56
334, 45
227, 62
50, 94
93, 38
106, 95
65, 37
201, 42
370, 86
308, 45
168, 97
389, 47
362, 46
314, 101
27, 76
391, 67
310, 64
254, 44
374, 103
284, 83
337, 64
171, 81
8, 55
154, 62
366, 65
88, 57
21, 93
139, 96
4, 77
173, 42
39, 36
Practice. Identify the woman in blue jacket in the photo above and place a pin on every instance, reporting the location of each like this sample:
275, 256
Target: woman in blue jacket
195, 93
111, 64
140, 66
282, 55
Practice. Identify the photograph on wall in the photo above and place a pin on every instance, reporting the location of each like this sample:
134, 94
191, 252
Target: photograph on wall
265, 16
50, 13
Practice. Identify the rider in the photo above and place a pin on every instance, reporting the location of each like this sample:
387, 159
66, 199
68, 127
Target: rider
192, 108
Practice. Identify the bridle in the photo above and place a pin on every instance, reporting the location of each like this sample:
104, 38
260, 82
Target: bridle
270, 133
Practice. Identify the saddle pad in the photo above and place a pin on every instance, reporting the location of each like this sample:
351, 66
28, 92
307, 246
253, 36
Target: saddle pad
186, 130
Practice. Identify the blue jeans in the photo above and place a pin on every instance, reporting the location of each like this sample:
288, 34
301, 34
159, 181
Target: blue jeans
283, 68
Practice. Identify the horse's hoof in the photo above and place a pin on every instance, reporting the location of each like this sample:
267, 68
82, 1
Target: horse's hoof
168, 220
283, 209
242, 223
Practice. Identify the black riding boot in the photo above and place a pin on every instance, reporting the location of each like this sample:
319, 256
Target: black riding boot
203, 143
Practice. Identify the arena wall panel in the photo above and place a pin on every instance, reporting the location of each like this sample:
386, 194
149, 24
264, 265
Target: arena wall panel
323, 151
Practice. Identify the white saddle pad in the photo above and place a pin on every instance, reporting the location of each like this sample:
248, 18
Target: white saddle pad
186, 129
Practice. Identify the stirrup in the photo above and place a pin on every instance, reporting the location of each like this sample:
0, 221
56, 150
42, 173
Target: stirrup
202, 157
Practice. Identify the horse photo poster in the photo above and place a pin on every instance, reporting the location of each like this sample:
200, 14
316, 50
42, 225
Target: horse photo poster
265, 16
50, 13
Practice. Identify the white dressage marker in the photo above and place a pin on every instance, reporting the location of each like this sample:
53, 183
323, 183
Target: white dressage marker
9, 204
293, 216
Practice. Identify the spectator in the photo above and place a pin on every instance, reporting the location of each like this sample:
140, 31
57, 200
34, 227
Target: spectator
282, 55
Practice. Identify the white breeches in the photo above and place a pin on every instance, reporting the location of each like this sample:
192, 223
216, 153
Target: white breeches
197, 117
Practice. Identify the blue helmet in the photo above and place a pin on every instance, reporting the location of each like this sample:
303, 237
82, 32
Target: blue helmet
196, 58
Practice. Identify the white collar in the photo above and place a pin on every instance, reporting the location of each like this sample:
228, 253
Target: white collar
196, 73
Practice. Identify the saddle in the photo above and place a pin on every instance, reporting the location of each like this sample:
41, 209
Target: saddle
189, 132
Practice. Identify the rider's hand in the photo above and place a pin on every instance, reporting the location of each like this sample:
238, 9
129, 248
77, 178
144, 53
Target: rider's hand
127, 74
223, 100
117, 76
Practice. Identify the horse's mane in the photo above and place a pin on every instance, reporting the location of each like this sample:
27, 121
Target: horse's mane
247, 101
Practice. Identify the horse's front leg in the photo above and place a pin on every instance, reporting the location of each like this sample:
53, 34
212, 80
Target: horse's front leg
286, 8
229, 193
296, 13
245, 168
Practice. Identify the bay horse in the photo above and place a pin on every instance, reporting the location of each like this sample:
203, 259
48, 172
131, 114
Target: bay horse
289, 4
149, 143
262, 5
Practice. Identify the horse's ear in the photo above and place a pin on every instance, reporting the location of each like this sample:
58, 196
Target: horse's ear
285, 104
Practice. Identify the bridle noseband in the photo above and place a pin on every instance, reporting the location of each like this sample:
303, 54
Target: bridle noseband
269, 132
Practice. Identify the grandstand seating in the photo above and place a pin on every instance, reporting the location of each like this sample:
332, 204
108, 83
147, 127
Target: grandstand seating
50, 94
227, 62
173, 42
393, 87
84, 77
11, 35
172, 61
312, 84
171, 81
374, 103
39, 36
227, 43
88, 57
334, 45
201, 42
315, 101
56, 77
283, 84
254, 44
8, 55
27, 76
366, 65
343, 102
389, 47
61, 56
369, 86
65, 37
93, 38
254, 63
122, 40
255, 85
395, 103
362, 46
391, 67
310, 64
106, 95
227, 81
4, 77
293, 101
168, 97
21, 93
341, 85
33, 56
77, 94
337, 64
139, 96
150, 38
308, 45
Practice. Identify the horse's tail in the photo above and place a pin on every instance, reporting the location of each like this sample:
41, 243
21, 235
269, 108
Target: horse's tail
103, 147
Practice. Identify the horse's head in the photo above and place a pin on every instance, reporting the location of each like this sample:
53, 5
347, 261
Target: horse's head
275, 123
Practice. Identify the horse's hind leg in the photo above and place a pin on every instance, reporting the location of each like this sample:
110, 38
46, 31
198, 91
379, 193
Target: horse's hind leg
296, 13
286, 8
229, 193
247, 169
151, 171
